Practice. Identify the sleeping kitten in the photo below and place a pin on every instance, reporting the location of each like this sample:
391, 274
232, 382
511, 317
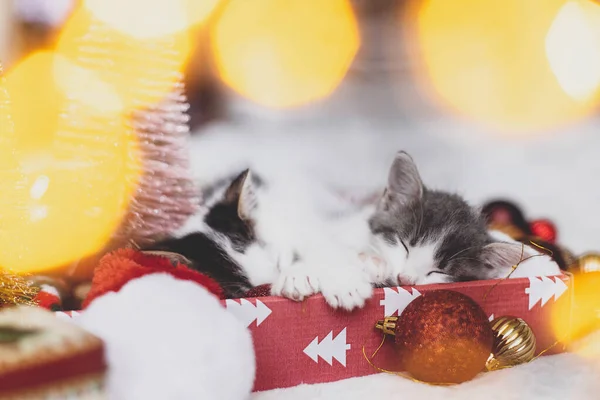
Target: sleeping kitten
423, 236
254, 233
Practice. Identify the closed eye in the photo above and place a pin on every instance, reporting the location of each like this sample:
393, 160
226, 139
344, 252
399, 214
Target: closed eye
437, 272
403, 244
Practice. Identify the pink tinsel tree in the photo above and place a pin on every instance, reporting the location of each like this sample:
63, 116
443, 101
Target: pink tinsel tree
165, 196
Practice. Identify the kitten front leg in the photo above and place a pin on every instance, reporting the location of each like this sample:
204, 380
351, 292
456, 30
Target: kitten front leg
343, 284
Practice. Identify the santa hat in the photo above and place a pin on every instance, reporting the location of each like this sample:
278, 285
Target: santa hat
119, 267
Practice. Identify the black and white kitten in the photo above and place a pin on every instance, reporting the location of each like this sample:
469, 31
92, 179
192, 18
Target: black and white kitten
423, 236
254, 233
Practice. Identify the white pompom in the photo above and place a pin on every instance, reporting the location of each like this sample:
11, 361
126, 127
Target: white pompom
171, 339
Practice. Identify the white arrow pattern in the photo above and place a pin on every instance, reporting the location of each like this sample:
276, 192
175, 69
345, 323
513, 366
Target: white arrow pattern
329, 348
395, 301
248, 312
542, 289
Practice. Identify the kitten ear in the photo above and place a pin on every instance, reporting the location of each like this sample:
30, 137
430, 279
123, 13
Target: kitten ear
404, 182
501, 254
242, 193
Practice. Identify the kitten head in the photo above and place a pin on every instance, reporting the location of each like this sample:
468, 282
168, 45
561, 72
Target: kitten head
233, 214
427, 236
234, 219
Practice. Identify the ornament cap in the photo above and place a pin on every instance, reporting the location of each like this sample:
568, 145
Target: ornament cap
514, 343
387, 325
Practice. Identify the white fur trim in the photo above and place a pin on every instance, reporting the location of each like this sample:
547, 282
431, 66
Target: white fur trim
171, 339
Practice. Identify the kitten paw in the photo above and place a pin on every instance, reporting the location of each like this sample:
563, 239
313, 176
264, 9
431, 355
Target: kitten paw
296, 283
349, 289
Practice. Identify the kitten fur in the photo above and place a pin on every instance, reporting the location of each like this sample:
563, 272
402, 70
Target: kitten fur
275, 234
423, 236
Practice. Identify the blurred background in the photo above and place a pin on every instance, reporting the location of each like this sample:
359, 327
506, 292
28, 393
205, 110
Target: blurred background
492, 99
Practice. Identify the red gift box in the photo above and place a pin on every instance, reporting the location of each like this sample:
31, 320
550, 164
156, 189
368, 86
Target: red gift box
309, 342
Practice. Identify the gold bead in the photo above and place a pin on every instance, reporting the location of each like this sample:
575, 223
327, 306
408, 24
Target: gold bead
514, 343
589, 262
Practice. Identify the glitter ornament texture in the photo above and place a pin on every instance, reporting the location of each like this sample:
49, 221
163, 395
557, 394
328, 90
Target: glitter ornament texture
259, 291
514, 343
544, 229
442, 337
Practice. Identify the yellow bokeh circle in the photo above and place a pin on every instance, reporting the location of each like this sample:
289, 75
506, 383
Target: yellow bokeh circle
69, 178
499, 62
139, 70
285, 54
158, 17
576, 318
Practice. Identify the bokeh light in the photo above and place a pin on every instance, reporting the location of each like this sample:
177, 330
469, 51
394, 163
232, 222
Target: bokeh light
66, 175
494, 62
140, 70
574, 320
84, 85
285, 54
36, 100
573, 48
158, 18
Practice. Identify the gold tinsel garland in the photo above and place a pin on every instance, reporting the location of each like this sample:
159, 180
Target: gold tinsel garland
16, 289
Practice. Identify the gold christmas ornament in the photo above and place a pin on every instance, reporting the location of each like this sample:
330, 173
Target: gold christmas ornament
508, 229
587, 263
514, 343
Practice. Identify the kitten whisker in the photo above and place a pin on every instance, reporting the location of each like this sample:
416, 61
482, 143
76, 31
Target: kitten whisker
467, 258
461, 251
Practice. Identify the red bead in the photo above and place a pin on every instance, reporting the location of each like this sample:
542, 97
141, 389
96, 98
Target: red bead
544, 229
259, 291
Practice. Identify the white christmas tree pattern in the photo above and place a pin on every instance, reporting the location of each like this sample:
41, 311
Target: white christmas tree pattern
491, 318
543, 288
395, 301
329, 348
247, 312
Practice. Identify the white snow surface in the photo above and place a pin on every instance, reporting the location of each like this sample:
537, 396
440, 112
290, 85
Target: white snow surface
171, 339
564, 376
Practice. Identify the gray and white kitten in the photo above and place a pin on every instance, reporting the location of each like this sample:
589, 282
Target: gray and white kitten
423, 236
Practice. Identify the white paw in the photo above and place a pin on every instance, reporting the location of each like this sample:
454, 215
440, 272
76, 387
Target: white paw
346, 288
296, 283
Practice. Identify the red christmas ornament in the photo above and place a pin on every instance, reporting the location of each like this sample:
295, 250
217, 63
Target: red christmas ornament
121, 266
49, 300
441, 337
505, 213
544, 229
259, 291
